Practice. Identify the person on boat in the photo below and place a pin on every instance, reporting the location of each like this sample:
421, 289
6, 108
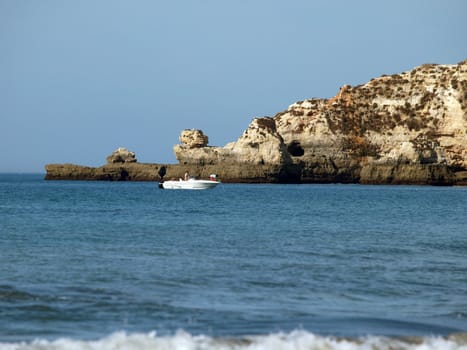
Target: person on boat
187, 175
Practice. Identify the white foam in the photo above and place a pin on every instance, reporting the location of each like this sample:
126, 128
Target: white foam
296, 340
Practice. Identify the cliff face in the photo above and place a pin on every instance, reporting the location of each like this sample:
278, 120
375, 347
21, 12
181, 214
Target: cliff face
404, 128
260, 144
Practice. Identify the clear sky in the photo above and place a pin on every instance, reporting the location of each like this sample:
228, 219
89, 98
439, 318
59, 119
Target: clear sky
80, 78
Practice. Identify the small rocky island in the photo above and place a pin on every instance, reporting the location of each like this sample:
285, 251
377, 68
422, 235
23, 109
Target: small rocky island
408, 128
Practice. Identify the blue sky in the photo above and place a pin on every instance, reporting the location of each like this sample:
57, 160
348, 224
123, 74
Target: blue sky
80, 78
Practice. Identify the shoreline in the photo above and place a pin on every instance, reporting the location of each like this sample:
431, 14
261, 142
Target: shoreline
408, 174
299, 339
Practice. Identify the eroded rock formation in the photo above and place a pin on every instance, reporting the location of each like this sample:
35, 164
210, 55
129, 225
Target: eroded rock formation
193, 138
121, 155
403, 128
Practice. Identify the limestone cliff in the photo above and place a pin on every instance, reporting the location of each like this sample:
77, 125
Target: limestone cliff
259, 144
404, 128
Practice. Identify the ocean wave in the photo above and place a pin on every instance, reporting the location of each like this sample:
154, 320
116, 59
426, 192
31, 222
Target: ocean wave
296, 340
9, 293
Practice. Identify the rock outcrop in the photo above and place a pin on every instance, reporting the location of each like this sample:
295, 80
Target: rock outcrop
408, 128
121, 155
260, 144
404, 128
193, 138
109, 172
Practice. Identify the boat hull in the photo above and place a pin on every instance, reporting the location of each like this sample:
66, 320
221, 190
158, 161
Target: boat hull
189, 185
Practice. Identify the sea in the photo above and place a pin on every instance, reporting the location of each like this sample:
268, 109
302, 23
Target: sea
127, 265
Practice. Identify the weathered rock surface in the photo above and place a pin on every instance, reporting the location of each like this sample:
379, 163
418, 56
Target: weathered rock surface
193, 138
121, 155
408, 128
111, 172
404, 128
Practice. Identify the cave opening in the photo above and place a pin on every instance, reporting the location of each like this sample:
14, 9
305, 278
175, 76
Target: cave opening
295, 149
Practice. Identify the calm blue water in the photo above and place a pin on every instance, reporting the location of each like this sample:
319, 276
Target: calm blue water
83, 260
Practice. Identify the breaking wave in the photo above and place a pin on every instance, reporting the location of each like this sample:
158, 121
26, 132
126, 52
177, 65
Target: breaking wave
296, 340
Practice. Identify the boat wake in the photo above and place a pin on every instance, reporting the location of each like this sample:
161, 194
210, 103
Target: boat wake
295, 340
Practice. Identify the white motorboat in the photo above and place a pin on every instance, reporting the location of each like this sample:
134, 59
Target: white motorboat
190, 184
